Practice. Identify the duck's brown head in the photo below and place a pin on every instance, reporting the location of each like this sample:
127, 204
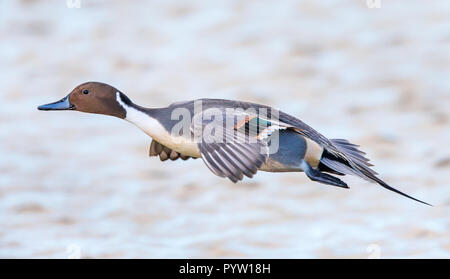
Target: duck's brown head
92, 97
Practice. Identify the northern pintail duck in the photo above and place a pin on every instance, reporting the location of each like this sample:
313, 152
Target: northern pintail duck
233, 138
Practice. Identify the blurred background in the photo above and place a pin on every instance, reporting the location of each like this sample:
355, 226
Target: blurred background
77, 185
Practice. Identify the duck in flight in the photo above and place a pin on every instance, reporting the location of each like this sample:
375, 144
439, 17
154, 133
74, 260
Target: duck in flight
240, 139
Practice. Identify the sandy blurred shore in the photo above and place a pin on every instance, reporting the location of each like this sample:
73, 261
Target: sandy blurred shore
78, 185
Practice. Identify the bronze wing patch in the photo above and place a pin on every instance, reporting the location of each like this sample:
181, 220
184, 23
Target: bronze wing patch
164, 153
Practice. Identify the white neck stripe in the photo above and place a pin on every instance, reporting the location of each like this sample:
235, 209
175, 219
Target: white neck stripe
145, 122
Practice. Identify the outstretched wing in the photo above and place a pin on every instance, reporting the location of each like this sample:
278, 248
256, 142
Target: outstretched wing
231, 144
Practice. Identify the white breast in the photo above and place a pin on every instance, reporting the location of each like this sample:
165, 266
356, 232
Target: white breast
154, 129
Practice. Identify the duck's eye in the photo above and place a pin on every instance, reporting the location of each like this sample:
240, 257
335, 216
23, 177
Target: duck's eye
85, 91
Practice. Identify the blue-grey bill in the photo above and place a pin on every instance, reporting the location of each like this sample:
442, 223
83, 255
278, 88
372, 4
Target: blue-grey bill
62, 104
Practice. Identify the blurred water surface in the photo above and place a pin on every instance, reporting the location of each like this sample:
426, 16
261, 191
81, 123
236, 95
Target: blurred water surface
73, 184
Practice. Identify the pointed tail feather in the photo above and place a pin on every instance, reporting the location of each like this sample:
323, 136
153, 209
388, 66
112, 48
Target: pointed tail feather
356, 164
383, 184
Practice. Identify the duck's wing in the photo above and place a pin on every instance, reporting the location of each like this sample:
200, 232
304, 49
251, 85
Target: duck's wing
165, 153
232, 143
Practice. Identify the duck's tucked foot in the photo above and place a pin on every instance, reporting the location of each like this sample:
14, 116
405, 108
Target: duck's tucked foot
165, 153
321, 177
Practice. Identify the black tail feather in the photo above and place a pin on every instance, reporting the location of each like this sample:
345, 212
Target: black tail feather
323, 167
356, 164
383, 184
